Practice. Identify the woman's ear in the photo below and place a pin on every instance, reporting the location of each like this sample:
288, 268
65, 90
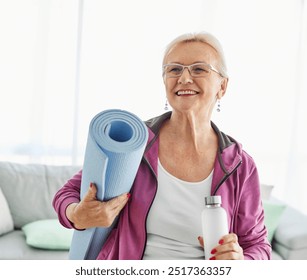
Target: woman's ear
224, 83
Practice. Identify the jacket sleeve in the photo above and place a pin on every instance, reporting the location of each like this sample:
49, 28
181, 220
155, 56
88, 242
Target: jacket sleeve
69, 193
249, 222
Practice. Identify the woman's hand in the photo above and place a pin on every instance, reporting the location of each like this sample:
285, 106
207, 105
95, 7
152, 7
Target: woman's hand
228, 248
90, 212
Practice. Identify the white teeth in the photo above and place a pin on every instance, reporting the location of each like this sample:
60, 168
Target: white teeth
186, 92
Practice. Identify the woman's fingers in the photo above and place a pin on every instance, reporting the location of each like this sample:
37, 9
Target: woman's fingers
112, 208
231, 237
229, 248
201, 241
118, 202
91, 212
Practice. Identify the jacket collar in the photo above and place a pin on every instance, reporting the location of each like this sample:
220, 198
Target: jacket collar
229, 155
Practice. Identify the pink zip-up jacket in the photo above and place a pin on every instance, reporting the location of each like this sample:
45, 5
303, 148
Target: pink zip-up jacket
235, 178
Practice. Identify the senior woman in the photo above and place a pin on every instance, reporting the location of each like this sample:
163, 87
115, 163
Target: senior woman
187, 158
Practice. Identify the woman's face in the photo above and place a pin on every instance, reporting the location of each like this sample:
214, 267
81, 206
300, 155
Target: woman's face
198, 94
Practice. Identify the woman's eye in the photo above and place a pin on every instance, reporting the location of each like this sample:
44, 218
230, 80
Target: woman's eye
200, 70
175, 70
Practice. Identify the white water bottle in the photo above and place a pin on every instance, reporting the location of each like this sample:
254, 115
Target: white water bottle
214, 223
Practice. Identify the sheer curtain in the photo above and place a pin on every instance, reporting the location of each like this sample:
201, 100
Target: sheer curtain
61, 62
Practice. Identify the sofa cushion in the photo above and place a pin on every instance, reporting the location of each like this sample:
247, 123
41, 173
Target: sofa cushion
6, 220
48, 234
292, 230
29, 189
272, 214
14, 247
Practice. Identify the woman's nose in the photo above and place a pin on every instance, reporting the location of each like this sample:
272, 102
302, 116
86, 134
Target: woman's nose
185, 77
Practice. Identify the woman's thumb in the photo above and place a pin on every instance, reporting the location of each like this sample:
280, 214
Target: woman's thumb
92, 191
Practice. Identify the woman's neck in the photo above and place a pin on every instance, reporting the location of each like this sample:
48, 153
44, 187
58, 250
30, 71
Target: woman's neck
191, 130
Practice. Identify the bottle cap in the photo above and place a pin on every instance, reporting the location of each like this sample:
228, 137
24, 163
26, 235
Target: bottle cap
215, 199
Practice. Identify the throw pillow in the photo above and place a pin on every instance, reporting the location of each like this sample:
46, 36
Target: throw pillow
48, 234
6, 220
272, 214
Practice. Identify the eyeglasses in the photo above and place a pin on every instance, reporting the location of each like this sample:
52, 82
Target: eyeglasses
196, 70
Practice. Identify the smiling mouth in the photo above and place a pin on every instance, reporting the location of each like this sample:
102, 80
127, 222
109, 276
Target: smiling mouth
186, 92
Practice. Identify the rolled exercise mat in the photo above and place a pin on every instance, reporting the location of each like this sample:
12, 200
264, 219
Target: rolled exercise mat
115, 146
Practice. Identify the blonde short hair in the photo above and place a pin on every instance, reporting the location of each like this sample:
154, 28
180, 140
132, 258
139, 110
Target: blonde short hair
203, 37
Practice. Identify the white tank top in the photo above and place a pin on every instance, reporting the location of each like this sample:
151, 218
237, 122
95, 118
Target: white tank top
174, 219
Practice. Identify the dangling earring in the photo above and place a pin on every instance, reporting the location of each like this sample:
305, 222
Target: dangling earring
166, 105
218, 109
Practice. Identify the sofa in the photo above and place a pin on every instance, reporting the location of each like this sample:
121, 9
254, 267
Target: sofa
29, 228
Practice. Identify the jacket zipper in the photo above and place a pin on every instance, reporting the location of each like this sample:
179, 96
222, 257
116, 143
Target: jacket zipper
155, 176
226, 177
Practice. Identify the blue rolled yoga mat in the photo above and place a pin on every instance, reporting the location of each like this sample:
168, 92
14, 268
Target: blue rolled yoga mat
115, 146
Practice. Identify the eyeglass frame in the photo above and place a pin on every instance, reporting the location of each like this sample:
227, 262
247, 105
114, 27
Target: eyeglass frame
189, 68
